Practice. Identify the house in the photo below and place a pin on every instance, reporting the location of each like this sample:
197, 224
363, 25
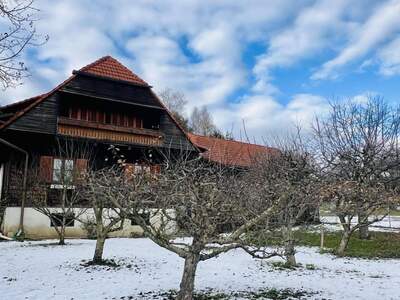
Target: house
101, 104
241, 155
230, 152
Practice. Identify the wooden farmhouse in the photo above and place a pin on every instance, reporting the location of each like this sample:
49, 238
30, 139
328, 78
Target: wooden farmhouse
101, 105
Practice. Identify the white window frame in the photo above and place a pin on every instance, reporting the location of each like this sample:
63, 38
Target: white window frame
58, 185
1, 178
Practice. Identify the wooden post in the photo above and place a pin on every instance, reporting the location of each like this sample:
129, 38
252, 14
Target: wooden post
322, 238
20, 232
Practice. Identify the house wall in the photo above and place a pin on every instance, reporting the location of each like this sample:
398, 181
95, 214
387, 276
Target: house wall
37, 225
1, 179
40, 119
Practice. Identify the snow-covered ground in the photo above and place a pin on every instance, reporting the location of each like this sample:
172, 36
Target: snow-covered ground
388, 224
39, 270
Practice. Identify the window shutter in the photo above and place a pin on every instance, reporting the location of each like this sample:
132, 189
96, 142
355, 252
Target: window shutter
46, 168
129, 170
81, 166
155, 169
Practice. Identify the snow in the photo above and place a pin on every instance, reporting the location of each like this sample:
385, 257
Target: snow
388, 224
40, 270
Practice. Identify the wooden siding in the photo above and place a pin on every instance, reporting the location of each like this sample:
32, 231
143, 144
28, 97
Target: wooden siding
174, 137
42, 118
99, 87
102, 132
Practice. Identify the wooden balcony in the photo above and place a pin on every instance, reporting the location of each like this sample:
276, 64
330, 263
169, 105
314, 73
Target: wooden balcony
111, 133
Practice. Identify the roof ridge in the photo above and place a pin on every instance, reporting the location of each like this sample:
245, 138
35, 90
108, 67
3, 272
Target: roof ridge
229, 152
225, 140
94, 63
21, 101
109, 67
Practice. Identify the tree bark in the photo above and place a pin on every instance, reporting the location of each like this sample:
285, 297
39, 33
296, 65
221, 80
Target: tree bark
363, 231
344, 242
98, 252
289, 247
290, 254
62, 236
188, 277
100, 237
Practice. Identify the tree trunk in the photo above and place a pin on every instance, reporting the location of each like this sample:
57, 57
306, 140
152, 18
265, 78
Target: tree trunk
98, 252
62, 236
189, 273
344, 242
100, 237
363, 232
289, 247
290, 254
64, 217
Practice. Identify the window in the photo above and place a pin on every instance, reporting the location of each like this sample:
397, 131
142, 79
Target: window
145, 216
120, 120
114, 119
73, 112
56, 220
84, 114
100, 117
139, 123
108, 118
63, 170
131, 121
139, 169
92, 115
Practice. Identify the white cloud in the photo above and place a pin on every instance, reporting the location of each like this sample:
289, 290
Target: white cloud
139, 32
263, 115
389, 57
198, 47
312, 30
379, 27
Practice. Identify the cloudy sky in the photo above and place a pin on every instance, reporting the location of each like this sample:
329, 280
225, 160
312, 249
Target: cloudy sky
265, 63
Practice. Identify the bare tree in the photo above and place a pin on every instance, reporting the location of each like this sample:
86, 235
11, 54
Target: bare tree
358, 145
101, 188
288, 177
19, 32
199, 198
345, 197
176, 103
201, 122
55, 190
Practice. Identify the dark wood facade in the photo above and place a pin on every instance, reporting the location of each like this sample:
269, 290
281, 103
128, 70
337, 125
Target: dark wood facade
88, 109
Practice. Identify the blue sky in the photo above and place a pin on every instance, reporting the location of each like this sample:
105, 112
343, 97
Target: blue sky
269, 64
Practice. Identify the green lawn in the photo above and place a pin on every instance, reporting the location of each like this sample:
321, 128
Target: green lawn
380, 244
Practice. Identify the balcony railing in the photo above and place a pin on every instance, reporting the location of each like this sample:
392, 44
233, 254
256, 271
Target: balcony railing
105, 132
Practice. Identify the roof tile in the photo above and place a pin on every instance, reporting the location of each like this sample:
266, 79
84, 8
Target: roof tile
229, 152
108, 66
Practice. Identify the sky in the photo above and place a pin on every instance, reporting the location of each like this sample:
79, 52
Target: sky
260, 64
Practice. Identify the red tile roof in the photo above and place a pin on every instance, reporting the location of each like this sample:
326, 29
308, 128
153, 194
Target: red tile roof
229, 152
108, 66
19, 104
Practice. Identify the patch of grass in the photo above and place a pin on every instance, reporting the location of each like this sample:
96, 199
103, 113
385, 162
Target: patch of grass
209, 294
392, 212
105, 262
281, 265
172, 294
380, 244
276, 294
311, 267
